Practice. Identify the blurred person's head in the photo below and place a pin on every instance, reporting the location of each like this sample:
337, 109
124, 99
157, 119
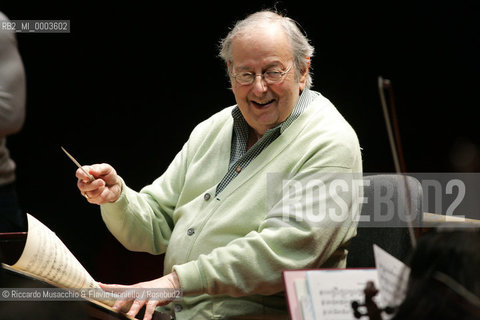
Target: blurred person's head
444, 280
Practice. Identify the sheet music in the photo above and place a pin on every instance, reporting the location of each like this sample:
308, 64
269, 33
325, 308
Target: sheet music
332, 291
304, 301
392, 277
290, 277
46, 256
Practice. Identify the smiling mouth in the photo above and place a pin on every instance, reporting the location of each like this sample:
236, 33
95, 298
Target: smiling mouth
262, 104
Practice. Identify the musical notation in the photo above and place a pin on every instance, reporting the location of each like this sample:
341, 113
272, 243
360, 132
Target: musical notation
392, 277
46, 256
332, 291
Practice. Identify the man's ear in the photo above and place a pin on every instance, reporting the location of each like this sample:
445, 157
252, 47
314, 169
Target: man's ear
304, 74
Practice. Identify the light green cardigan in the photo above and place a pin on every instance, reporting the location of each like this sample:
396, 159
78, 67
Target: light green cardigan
230, 261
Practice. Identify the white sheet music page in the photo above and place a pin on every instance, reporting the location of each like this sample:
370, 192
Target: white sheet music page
46, 256
392, 277
332, 291
304, 301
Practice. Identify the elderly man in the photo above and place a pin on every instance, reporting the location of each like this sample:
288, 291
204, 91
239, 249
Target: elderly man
253, 191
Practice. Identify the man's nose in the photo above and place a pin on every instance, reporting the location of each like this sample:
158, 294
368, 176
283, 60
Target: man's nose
259, 83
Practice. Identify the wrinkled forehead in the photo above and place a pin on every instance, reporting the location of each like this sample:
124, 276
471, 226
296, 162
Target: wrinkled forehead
258, 43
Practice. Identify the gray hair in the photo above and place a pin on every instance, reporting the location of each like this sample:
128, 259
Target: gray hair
302, 50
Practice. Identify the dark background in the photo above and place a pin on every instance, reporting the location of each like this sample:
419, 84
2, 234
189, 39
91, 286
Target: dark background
130, 81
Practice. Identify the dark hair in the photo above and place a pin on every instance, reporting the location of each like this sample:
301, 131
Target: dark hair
444, 281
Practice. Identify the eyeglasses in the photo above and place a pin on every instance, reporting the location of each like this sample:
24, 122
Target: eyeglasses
270, 77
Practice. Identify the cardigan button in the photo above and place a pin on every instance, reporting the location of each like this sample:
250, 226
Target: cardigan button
238, 169
206, 196
190, 231
178, 308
